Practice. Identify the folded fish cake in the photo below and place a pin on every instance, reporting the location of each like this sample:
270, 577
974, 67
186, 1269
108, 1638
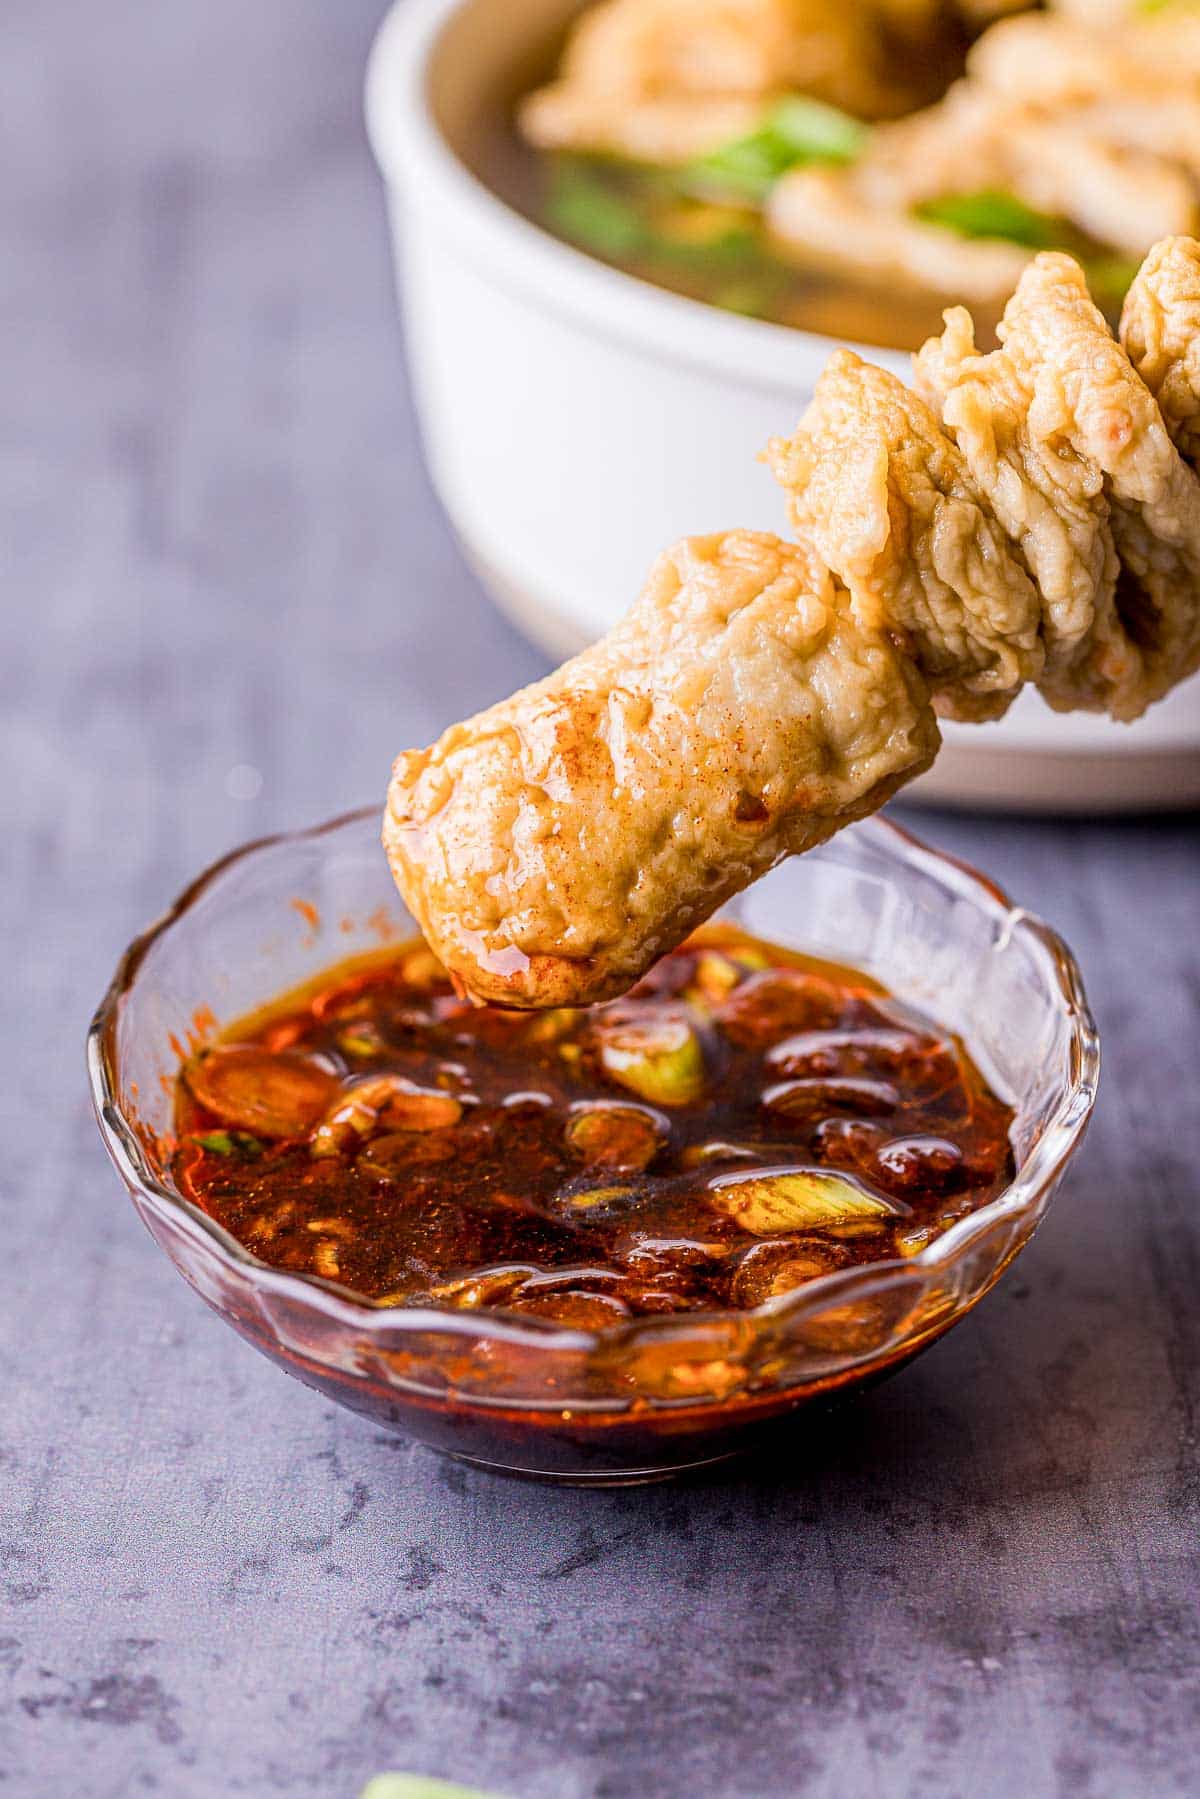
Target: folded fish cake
886, 499
1073, 454
1160, 329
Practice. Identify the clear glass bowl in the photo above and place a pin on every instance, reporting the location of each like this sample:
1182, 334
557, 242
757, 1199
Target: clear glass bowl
657, 1395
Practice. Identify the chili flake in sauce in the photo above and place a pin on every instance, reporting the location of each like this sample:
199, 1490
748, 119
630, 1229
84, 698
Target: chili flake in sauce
745, 1120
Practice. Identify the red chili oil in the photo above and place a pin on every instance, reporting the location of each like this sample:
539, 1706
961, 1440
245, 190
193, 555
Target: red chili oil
745, 1120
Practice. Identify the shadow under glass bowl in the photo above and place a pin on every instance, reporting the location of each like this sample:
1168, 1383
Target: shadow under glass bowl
654, 1396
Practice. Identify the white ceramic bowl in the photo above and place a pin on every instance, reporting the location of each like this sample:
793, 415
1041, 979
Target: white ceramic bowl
577, 420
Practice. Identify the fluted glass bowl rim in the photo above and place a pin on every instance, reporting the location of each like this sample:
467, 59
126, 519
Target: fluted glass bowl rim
336, 1304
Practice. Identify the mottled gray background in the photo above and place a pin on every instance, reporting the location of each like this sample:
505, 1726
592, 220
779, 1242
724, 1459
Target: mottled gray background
220, 553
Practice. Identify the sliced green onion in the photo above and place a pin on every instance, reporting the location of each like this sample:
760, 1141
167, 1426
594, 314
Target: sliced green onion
659, 1059
626, 216
727, 249
584, 207
990, 212
752, 299
817, 131
994, 213
230, 1143
796, 130
767, 1205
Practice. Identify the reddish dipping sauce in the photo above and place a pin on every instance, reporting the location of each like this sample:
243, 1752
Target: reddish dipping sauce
744, 1121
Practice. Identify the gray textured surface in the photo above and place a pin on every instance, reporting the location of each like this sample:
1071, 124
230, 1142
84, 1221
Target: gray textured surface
220, 554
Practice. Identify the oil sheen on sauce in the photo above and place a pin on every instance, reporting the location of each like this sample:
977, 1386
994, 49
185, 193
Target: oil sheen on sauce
742, 1122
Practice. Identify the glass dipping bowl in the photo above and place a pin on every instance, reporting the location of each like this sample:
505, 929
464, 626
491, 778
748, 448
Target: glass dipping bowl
657, 1395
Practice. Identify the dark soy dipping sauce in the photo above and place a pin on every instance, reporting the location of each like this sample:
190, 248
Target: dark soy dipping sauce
744, 1121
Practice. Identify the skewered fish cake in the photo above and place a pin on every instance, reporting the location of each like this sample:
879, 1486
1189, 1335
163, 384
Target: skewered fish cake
1024, 516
